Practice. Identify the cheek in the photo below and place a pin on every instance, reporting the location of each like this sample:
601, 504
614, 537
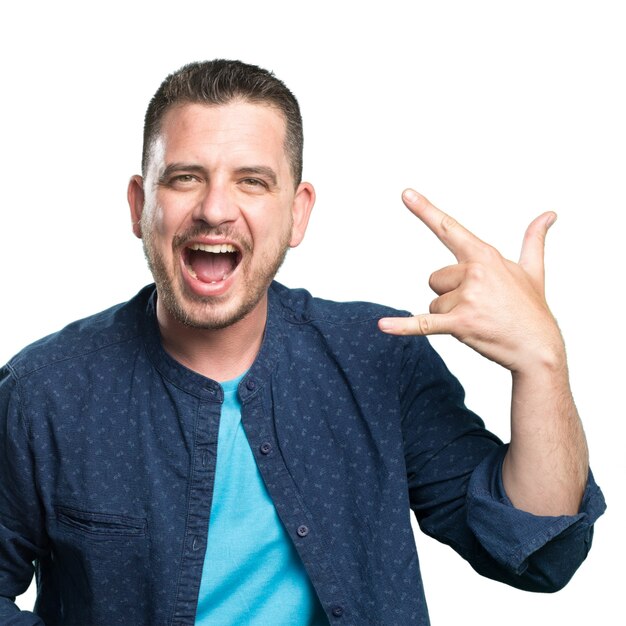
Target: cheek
268, 221
162, 223
171, 212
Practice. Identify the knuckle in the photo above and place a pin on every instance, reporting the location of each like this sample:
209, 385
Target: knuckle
475, 271
448, 223
491, 254
536, 234
471, 298
463, 324
423, 324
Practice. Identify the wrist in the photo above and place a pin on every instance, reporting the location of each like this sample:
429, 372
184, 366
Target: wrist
547, 358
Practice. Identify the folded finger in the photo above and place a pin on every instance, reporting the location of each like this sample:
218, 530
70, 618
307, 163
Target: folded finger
445, 303
446, 279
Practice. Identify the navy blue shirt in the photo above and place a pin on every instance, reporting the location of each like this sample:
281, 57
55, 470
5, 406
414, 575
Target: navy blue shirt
109, 452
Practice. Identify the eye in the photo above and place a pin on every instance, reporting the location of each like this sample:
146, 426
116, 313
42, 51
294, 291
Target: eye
180, 181
184, 178
254, 182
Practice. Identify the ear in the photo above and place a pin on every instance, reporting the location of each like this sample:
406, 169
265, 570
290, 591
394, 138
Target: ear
136, 201
302, 206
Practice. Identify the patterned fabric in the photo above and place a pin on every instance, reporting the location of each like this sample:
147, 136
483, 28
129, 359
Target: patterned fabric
252, 573
109, 454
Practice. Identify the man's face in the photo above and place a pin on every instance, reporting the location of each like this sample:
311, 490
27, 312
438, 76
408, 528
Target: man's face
218, 210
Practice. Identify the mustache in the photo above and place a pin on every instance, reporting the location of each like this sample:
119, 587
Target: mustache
202, 230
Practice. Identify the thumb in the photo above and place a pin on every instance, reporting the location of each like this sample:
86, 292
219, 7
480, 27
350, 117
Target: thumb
532, 254
427, 324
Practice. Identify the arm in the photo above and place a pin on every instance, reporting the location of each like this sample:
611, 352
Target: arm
545, 469
455, 486
498, 308
21, 534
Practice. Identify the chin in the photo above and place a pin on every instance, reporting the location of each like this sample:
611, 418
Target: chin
195, 312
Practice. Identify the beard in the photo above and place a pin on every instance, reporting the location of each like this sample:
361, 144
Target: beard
212, 312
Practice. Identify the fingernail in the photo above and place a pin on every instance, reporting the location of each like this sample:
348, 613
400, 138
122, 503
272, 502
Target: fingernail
551, 220
409, 195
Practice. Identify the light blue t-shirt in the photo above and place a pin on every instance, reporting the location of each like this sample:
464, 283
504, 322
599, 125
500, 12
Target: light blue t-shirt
252, 573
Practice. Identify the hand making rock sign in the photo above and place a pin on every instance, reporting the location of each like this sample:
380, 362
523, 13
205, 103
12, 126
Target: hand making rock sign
499, 308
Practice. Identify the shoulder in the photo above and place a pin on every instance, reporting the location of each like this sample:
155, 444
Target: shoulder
114, 326
347, 333
342, 328
298, 306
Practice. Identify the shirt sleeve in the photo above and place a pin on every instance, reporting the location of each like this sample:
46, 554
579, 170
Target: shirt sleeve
455, 486
21, 527
549, 548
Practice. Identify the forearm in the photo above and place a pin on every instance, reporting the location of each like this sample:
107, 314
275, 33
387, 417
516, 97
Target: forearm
499, 309
546, 467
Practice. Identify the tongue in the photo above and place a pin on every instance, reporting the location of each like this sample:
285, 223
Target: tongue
210, 267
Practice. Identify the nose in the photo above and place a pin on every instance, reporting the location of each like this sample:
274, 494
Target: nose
216, 206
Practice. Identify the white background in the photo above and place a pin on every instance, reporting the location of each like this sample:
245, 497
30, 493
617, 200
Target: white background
496, 111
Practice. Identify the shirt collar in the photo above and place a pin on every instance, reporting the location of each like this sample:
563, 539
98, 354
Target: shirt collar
205, 388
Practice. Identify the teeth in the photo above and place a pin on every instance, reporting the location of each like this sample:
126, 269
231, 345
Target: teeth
217, 281
190, 270
215, 249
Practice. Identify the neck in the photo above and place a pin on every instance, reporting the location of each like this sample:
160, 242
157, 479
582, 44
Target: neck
221, 354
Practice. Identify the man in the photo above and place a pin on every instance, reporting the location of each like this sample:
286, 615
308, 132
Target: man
223, 450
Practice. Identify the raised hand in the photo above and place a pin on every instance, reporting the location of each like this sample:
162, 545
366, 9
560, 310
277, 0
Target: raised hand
494, 305
499, 308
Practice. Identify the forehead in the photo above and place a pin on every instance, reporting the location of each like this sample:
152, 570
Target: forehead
237, 129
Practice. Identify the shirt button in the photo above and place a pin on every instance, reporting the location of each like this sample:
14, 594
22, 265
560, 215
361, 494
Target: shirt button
250, 385
303, 531
196, 543
266, 447
337, 611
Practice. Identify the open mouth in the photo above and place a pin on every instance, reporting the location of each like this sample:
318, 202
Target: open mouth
211, 263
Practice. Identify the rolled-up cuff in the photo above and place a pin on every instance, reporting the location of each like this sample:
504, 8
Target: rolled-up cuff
510, 535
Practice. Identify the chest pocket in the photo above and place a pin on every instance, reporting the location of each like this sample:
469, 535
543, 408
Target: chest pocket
98, 557
100, 524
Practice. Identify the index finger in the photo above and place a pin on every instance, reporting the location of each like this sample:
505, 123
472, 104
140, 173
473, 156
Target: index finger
460, 241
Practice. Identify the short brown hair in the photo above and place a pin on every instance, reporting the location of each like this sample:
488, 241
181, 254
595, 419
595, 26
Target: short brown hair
219, 82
